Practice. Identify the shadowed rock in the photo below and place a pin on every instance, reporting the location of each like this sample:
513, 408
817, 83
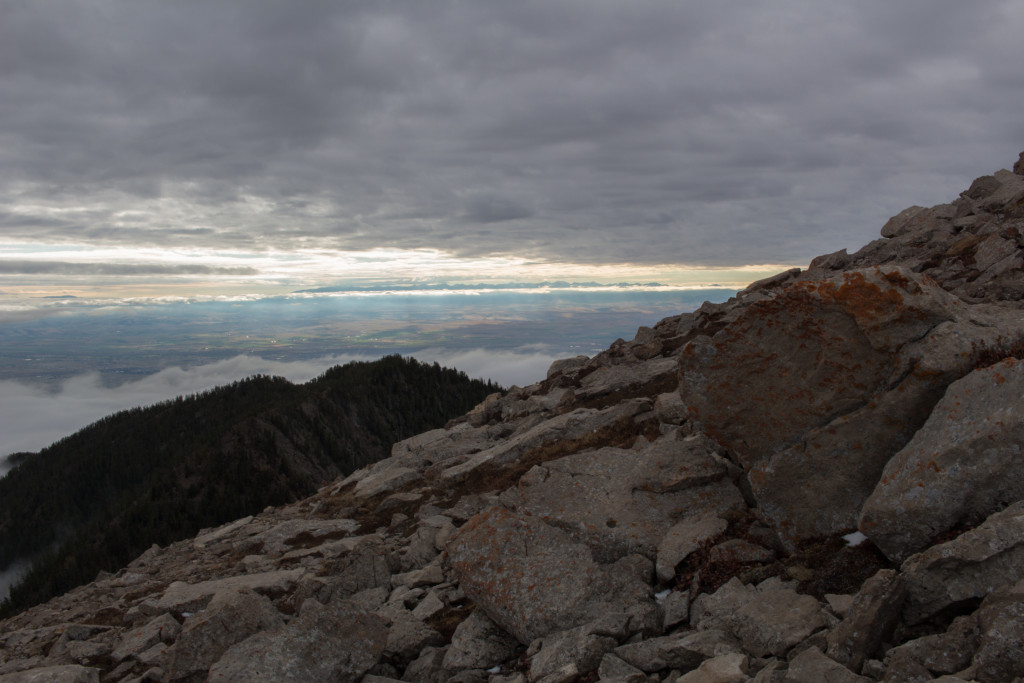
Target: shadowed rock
967, 568
796, 388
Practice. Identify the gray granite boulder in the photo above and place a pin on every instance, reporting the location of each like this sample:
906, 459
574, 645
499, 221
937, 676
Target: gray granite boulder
870, 621
572, 425
729, 668
621, 501
1000, 655
682, 651
768, 619
231, 616
938, 654
479, 643
580, 649
971, 566
532, 578
962, 465
182, 599
163, 629
339, 641
811, 666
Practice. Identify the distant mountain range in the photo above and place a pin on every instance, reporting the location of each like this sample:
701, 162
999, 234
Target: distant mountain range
441, 286
96, 499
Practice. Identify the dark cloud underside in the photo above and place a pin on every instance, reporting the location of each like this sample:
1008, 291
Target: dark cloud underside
649, 131
21, 267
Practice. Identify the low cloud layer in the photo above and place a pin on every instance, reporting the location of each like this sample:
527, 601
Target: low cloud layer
24, 267
11, 576
575, 130
33, 417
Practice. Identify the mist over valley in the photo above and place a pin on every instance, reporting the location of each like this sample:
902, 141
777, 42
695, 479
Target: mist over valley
77, 361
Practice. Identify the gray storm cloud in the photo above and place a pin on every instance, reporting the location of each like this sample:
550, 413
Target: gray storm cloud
649, 131
25, 267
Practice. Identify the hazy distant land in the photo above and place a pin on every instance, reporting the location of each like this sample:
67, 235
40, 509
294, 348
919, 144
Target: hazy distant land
131, 340
76, 361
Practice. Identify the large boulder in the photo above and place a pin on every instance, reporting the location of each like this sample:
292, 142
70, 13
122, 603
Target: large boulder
870, 621
1000, 656
338, 641
768, 619
961, 466
968, 568
479, 643
811, 666
532, 578
231, 616
621, 501
576, 424
579, 649
939, 654
815, 385
682, 650
163, 629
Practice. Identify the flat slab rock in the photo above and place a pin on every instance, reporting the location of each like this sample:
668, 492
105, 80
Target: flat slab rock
68, 673
621, 501
185, 598
532, 578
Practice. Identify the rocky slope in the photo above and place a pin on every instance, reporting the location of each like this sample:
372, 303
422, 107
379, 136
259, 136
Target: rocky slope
684, 506
96, 499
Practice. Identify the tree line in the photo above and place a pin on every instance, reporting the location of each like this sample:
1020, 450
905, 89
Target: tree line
96, 499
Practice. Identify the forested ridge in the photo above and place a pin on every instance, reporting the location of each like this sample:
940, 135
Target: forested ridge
96, 499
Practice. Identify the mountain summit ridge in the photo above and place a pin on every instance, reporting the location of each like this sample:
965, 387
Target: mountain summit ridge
683, 506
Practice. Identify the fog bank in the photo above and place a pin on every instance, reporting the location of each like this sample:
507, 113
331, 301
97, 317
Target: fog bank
32, 417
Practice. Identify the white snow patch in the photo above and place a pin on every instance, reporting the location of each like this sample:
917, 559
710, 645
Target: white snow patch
855, 538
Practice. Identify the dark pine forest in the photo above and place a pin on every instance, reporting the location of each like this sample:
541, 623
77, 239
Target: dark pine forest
95, 500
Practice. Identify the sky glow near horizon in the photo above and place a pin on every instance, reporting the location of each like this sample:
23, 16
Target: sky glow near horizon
33, 276
252, 146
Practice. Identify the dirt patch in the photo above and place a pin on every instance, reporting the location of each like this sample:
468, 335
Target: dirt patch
833, 566
447, 620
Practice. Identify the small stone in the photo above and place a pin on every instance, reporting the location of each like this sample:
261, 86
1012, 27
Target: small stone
730, 668
870, 621
479, 643
65, 673
839, 604
811, 666
163, 629
615, 669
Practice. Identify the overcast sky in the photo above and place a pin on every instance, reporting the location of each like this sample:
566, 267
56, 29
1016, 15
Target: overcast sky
229, 138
